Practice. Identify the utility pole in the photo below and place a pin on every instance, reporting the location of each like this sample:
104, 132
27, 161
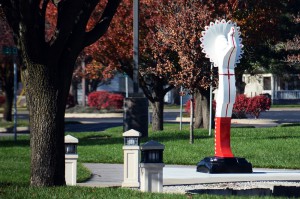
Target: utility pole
136, 106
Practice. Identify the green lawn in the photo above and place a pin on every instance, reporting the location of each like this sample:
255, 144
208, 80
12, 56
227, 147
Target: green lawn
263, 147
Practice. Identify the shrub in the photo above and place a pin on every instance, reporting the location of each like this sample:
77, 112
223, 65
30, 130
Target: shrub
2, 100
244, 105
116, 100
258, 104
105, 100
240, 106
188, 106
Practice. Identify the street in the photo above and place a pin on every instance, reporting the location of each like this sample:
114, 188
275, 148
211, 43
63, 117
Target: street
78, 123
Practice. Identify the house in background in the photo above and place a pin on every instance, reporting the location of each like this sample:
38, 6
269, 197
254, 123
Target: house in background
122, 84
283, 89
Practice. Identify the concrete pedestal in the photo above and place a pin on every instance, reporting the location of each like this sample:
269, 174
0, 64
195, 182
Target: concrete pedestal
151, 177
71, 169
131, 166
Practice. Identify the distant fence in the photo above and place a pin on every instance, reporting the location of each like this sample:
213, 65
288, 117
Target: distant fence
295, 94
286, 97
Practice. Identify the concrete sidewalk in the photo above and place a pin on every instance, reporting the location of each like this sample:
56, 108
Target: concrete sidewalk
111, 175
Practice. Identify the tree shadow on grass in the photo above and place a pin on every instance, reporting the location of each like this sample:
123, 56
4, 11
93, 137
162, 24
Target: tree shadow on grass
14, 184
281, 137
290, 125
12, 143
173, 137
79, 128
106, 139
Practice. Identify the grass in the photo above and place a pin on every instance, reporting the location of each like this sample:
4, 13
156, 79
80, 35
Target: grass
15, 161
264, 147
20, 123
18, 109
17, 192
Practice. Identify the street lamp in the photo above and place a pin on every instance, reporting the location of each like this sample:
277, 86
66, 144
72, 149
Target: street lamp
152, 152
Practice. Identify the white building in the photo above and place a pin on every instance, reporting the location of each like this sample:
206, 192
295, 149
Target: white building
283, 89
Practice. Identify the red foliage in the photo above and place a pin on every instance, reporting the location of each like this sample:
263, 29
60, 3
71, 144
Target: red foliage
240, 106
2, 100
253, 106
188, 106
115, 100
258, 104
105, 100
244, 105
97, 99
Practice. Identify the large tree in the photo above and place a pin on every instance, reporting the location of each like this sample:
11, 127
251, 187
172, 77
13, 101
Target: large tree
263, 24
181, 34
47, 72
117, 55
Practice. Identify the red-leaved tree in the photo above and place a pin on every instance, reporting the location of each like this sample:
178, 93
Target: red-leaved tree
115, 53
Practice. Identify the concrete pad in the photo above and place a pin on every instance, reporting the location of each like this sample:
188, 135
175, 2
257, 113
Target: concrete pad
187, 175
106, 175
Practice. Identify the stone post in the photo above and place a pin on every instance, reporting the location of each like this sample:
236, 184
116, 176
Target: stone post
71, 157
152, 167
131, 158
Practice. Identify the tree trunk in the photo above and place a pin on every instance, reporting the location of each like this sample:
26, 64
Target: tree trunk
192, 121
46, 99
240, 85
7, 74
74, 91
202, 109
205, 111
198, 110
9, 98
158, 115
155, 94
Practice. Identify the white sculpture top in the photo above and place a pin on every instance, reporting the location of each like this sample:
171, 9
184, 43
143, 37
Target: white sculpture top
222, 45
219, 38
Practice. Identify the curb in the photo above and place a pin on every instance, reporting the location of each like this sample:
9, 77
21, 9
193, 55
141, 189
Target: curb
251, 122
94, 115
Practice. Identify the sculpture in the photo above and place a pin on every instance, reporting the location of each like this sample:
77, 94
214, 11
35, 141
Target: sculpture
222, 44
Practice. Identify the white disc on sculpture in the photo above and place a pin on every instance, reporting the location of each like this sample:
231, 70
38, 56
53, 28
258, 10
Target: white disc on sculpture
218, 30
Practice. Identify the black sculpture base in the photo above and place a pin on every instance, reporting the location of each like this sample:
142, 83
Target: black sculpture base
224, 165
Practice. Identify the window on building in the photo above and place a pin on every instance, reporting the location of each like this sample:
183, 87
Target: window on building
267, 83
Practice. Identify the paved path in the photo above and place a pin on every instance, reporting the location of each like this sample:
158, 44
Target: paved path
107, 175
